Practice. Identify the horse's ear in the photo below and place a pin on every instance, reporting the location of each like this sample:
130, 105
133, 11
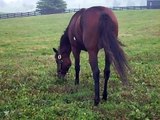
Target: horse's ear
55, 50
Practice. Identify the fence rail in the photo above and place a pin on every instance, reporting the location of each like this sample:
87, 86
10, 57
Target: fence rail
13, 15
35, 13
130, 8
72, 10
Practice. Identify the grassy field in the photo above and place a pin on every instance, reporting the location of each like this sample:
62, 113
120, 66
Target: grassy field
29, 88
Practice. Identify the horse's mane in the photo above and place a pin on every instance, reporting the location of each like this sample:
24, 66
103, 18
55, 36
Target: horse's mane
64, 38
65, 43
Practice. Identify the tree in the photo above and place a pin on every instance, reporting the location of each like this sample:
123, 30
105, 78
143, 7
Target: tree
51, 6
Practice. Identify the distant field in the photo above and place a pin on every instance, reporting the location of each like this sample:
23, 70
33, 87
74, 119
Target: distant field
29, 88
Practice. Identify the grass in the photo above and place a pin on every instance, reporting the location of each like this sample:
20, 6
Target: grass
29, 88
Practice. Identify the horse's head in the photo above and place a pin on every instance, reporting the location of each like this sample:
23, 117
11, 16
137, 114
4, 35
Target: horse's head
63, 63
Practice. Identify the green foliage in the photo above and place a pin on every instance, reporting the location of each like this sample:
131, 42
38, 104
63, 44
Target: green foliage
51, 6
29, 88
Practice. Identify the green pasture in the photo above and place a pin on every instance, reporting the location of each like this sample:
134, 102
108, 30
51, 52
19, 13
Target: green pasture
30, 90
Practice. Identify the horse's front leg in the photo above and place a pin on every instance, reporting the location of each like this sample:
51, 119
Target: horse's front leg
76, 54
94, 66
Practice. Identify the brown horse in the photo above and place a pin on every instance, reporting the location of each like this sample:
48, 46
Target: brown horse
90, 30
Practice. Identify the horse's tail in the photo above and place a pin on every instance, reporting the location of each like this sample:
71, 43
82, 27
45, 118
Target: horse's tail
112, 46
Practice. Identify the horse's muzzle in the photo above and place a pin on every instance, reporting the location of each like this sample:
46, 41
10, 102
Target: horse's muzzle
61, 75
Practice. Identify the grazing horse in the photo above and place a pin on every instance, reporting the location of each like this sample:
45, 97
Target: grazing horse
91, 30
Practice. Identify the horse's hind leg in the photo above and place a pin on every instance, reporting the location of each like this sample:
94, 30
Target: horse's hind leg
94, 66
106, 76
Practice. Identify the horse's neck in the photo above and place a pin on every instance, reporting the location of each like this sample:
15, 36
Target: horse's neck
65, 46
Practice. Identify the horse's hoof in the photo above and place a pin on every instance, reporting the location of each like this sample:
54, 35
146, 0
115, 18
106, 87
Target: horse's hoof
96, 102
104, 97
76, 82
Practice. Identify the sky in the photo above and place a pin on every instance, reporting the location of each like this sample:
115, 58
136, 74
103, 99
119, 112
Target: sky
12, 6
